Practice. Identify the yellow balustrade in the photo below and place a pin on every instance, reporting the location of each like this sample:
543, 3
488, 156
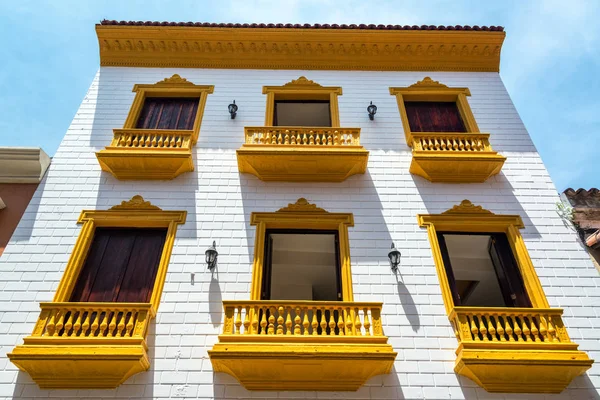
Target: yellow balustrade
516, 350
148, 154
302, 345
79, 345
454, 157
302, 153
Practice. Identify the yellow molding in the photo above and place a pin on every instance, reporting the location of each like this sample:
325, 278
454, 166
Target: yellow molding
499, 348
175, 86
61, 352
276, 48
302, 89
304, 216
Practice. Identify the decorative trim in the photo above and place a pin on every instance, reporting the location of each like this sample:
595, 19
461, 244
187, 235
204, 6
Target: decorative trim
175, 86
427, 82
301, 205
302, 89
281, 48
23, 164
304, 217
466, 207
137, 202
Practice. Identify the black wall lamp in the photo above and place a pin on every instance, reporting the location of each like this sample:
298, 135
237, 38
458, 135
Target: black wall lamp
211, 256
372, 110
394, 256
232, 109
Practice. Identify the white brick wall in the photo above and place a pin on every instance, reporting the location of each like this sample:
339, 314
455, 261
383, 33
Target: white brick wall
219, 201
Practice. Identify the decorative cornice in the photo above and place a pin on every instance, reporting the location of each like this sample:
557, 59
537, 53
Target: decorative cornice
427, 83
175, 79
284, 48
23, 164
466, 207
302, 82
302, 205
137, 202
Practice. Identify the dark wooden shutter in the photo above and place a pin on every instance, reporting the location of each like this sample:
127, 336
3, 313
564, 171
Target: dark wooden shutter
507, 271
168, 113
426, 116
267, 268
121, 266
448, 268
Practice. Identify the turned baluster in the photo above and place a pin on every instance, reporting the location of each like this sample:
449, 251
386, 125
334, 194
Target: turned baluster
172, 143
121, 324
491, 328
280, 138
288, 322
323, 323
311, 138
315, 323
263, 321
59, 323
552, 330
77, 324
357, 324
268, 138
247, 321
534, 329
86, 322
104, 323
349, 322
274, 138
318, 139
113, 324
517, 328
336, 138
331, 323
297, 322
254, 321
271, 330
293, 140
280, 320
482, 328
305, 323
238, 320
340, 322
286, 138
508, 328
474, 329
526, 330
161, 141
367, 323
468, 144
500, 329
69, 323
130, 323
153, 142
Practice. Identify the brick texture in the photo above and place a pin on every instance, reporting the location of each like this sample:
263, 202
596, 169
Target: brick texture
219, 201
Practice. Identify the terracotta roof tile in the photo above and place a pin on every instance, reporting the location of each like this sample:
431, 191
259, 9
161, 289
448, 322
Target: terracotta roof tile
570, 192
311, 26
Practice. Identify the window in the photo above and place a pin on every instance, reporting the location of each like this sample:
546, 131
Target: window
302, 113
302, 102
120, 266
434, 116
301, 265
168, 113
481, 270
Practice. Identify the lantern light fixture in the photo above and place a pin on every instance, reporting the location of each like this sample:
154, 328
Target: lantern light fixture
211, 256
372, 110
394, 256
232, 109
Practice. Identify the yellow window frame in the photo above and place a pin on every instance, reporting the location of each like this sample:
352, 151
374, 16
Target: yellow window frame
302, 89
467, 217
430, 90
135, 213
175, 86
301, 215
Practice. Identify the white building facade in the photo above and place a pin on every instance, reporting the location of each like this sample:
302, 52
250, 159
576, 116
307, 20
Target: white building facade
424, 329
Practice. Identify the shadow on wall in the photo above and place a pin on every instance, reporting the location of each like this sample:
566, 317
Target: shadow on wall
408, 304
386, 386
215, 299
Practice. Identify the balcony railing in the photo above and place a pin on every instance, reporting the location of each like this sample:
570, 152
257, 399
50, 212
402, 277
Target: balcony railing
516, 350
454, 157
302, 345
300, 318
148, 153
86, 345
279, 153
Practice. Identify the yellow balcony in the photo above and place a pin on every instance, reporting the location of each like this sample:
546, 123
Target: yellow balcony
302, 345
85, 345
454, 157
148, 154
302, 153
516, 350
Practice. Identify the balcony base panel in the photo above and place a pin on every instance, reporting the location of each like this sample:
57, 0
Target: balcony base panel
145, 164
286, 163
544, 369
89, 366
295, 366
456, 168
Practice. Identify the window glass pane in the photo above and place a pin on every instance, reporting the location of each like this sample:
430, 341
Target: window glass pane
429, 116
304, 267
302, 113
168, 113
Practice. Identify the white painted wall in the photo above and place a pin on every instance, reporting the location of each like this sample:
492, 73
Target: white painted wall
219, 201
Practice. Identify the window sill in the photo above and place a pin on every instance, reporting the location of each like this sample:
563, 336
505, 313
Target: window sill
516, 350
454, 157
148, 154
302, 154
292, 348
86, 345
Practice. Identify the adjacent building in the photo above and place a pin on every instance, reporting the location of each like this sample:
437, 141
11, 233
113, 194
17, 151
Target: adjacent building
297, 211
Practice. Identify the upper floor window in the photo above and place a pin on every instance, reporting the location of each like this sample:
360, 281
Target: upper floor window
434, 116
302, 102
168, 113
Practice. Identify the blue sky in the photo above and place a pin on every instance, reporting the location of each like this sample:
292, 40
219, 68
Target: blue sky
550, 60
